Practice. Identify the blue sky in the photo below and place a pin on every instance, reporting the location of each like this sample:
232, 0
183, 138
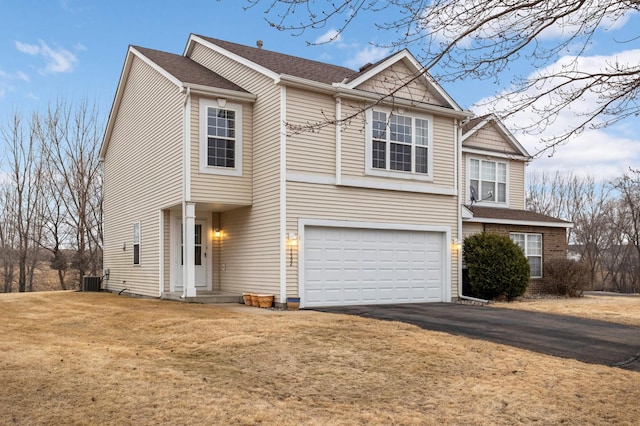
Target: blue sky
75, 49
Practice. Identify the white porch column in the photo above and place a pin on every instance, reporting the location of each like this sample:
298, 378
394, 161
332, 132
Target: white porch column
189, 269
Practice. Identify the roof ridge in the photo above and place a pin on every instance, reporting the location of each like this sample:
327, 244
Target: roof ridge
246, 46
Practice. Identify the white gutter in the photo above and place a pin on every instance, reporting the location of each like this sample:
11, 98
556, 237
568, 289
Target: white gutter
363, 95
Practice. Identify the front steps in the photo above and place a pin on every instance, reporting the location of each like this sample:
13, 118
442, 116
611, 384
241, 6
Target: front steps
204, 297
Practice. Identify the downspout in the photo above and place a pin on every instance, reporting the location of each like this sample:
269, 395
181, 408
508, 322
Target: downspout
186, 146
458, 158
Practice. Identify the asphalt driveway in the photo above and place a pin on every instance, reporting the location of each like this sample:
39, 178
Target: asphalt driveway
586, 340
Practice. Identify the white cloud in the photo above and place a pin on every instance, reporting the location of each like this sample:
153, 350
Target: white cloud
32, 96
56, 60
22, 76
603, 153
369, 54
29, 49
330, 36
2, 92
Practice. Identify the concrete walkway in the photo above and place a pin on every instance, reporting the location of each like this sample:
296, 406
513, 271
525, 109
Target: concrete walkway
586, 340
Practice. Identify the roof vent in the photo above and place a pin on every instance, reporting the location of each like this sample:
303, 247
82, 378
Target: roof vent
365, 66
259, 43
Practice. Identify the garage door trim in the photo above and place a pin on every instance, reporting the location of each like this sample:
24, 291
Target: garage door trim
444, 230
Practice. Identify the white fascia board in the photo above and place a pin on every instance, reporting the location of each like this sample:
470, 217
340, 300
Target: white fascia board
405, 55
221, 93
503, 130
488, 153
519, 222
477, 127
124, 74
376, 98
303, 83
240, 59
512, 138
466, 213
157, 67
340, 90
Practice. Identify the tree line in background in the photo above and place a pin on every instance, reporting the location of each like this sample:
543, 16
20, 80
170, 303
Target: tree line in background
606, 218
50, 196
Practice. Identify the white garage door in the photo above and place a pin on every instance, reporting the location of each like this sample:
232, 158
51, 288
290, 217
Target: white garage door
348, 266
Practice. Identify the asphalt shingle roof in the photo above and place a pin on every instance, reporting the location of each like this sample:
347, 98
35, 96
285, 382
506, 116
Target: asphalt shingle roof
187, 70
512, 214
281, 63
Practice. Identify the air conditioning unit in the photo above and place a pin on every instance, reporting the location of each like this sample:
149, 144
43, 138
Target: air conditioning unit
91, 283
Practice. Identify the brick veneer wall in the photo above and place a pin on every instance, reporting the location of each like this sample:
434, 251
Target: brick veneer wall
554, 244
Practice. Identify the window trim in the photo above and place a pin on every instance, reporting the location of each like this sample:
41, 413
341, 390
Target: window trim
525, 249
371, 171
488, 203
205, 104
136, 245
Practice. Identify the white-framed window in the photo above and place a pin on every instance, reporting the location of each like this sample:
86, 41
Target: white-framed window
398, 144
220, 137
489, 180
532, 246
136, 243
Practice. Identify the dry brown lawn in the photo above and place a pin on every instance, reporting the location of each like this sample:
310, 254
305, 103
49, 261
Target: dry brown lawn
98, 358
618, 309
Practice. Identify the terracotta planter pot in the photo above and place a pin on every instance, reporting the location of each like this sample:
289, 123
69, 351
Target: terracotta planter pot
247, 298
265, 300
254, 300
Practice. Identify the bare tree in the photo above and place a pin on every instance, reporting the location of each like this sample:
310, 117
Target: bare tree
23, 193
584, 202
457, 39
629, 187
70, 136
618, 258
7, 239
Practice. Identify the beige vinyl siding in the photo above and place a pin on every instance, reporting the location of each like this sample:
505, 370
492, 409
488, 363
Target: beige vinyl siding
442, 149
464, 183
353, 141
401, 78
328, 202
252, 234
221, 189
489, 138
142, 175
516, 184
311, 151
471, 229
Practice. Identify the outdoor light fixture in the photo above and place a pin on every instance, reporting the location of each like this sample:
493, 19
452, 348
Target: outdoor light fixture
217, 233
292, 240
455, 245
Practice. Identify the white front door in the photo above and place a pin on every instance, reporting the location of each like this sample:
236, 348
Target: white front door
202, 255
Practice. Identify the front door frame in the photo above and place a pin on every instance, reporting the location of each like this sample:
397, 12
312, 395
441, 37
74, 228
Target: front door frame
175, 244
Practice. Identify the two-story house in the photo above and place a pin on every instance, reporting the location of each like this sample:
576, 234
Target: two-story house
232, 169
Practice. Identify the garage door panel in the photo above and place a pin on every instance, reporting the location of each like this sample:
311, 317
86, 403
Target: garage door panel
366, 266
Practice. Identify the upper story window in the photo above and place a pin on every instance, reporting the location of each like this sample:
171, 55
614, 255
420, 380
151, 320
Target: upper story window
531, 244
398, 145
220, 137
489, 180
